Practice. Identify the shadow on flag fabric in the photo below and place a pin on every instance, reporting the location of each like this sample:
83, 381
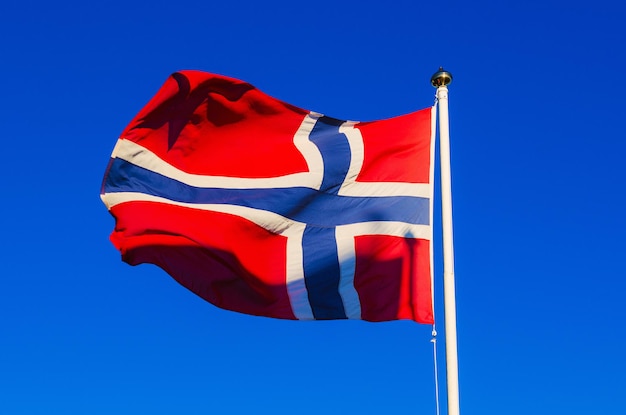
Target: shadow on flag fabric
263, 208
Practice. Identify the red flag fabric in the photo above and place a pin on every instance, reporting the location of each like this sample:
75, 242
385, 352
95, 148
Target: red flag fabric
264, 208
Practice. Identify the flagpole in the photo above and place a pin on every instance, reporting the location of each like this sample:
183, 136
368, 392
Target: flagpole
440, 80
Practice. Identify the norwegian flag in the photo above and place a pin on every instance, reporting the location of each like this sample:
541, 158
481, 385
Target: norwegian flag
264, 208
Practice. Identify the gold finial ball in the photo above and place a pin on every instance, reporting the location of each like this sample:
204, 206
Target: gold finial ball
441, 78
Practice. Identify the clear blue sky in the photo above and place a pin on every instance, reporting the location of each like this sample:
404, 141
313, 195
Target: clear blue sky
538, 142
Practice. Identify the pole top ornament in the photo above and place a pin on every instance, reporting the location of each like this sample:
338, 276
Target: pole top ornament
441, 78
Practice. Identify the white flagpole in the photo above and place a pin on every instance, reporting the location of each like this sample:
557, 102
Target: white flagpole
440, 80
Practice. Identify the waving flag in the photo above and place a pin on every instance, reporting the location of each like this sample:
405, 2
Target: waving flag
264, 208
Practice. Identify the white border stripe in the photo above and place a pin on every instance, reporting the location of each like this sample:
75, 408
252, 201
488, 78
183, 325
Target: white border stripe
403, 229
267, 220
383, 189
309, 150
347, 266
357, 154
142, 157
296, 287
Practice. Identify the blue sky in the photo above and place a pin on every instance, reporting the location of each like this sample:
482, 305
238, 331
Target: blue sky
537, 141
